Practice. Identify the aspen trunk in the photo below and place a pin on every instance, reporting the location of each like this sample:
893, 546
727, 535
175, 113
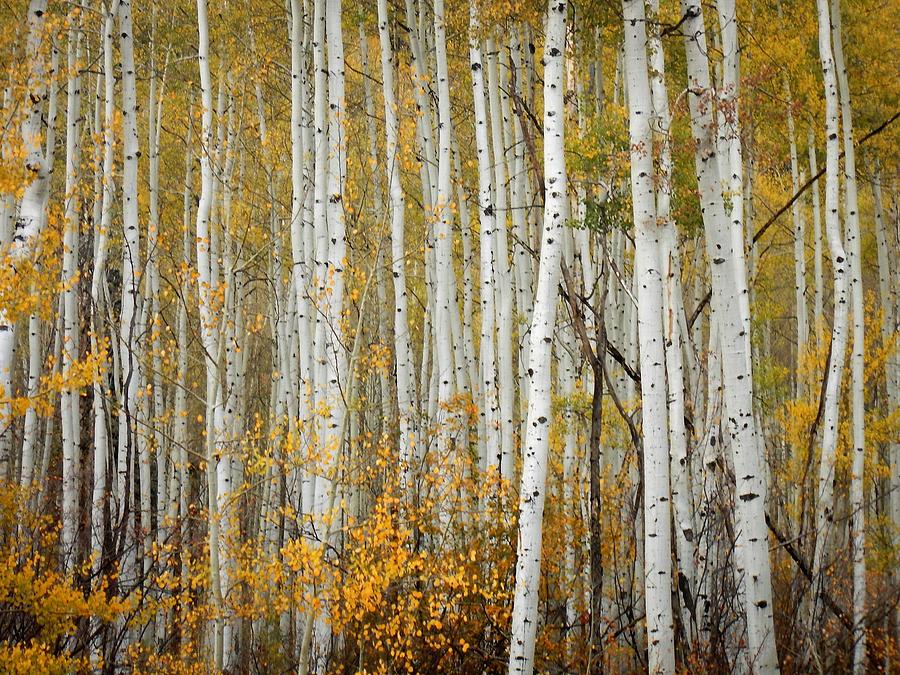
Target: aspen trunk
402, 348
857, 353
839, 337
648, 277
537, 427
724, 246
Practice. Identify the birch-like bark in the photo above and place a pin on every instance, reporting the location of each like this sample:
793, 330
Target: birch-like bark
129, 315
31, 219
503, 298
857, 354
486, 213
818, 280
669, 258
839, 337
70, 397
648, 275
299, 226
101, 393
443, 236
799, 225
402, 348
543, 325
888, 287
724, 246
208, 327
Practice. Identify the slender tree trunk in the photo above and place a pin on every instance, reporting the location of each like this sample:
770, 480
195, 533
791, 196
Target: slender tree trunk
839, 337
69, 404
402, 347
543, 325
819, 299
724, 245
669, 256
857, 354
490, 406
648, 274
31, 218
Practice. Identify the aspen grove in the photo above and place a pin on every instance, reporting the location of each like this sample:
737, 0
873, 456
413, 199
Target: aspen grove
439, 336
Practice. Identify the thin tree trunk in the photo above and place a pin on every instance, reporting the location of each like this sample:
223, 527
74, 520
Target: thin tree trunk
543, 325
648, 274
857, 354
831, 407
724, 246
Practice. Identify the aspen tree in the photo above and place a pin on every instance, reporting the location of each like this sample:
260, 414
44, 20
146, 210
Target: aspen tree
648, 278
818, 279
730, 303
888, 292
443, 235
69, 404
799, 224
670, 269
839, 337
487, 223
857, 353
130, 330
30, 220
208, 330
299, 235
503, 291
402, 348
35, 331
537, 426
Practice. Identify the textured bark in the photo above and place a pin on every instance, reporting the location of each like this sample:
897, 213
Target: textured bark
30, 221
487, 220
724, 247
651, 348
857, 354
839, 337
537, 425
672, 310
69, 404
402, 348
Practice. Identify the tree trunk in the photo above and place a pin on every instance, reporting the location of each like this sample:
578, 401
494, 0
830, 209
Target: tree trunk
537, 426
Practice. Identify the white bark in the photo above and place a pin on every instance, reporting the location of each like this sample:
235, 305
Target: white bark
402, 348
724, 245
799, 224
69, 404
857, 354
503, 298
831, 409
129, 329
486, 213
537, 426
209, 328
31, 217
648, 274
888, 291
443, 237
669, 257
819, 299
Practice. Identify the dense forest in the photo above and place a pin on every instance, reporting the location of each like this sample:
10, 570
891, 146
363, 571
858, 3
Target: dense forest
483, 337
